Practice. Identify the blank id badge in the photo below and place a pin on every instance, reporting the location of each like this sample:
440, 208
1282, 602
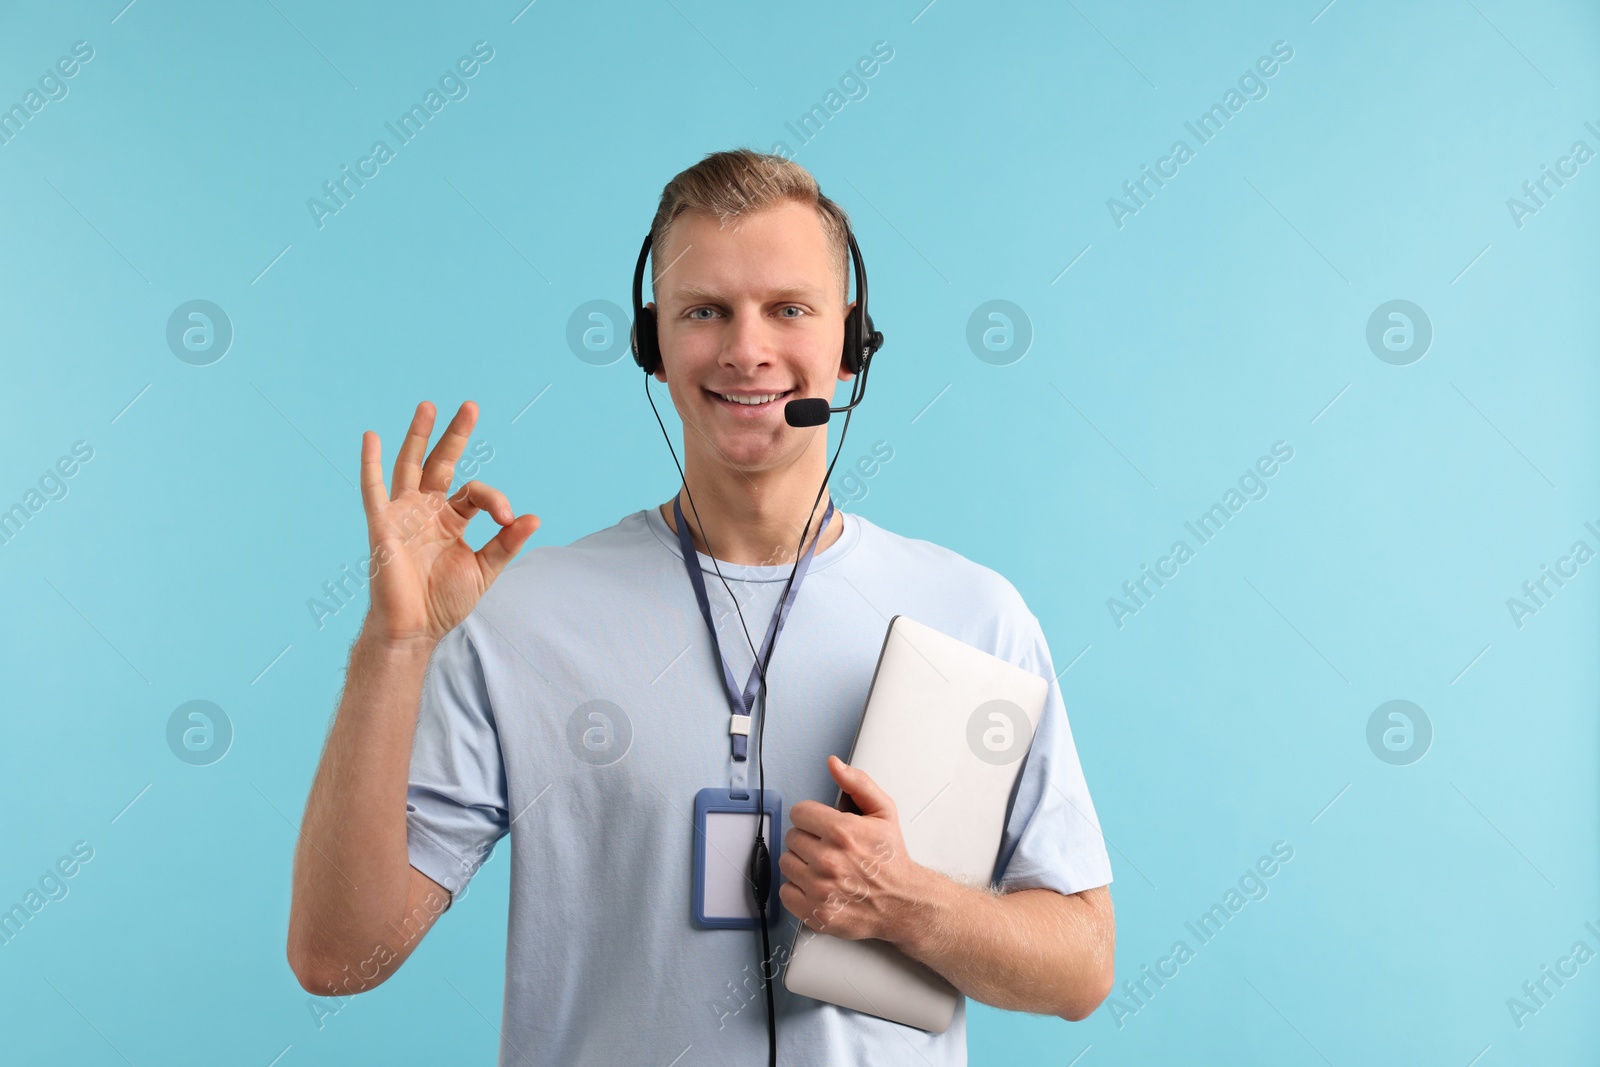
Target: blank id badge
724, 837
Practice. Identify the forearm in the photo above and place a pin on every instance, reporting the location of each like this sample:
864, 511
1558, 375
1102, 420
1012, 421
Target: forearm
352, 876
1033, 950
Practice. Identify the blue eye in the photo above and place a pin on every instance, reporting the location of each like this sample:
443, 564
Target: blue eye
793, 307
695, 312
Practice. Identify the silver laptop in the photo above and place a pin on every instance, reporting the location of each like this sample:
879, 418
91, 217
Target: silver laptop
945, 732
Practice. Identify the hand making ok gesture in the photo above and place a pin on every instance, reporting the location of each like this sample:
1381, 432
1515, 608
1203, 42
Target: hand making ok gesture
427, 577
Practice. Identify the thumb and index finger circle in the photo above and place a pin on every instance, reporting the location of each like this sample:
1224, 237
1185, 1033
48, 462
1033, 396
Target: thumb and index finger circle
501, 549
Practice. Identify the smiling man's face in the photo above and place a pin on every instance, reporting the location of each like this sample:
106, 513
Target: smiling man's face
749, 309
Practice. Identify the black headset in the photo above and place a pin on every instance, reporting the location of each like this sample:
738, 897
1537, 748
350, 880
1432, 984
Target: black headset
860, 339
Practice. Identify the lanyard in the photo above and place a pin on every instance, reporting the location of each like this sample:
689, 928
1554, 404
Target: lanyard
739, 701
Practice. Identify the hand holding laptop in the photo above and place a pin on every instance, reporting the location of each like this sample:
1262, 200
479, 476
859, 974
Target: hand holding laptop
836, 859
944, 735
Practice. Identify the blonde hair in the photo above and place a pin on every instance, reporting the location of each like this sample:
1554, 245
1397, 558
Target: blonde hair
735, 183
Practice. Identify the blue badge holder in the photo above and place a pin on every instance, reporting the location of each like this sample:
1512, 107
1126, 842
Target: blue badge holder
713, 800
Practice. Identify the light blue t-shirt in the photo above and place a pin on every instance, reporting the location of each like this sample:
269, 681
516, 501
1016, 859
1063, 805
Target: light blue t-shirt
580, 707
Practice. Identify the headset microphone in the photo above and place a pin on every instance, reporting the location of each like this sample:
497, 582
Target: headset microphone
814, 411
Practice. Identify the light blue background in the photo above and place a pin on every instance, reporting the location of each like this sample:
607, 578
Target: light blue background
1226, 315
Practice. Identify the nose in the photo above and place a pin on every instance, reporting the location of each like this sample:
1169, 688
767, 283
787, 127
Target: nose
748, 340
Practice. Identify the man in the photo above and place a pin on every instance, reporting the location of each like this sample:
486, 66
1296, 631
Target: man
578, 705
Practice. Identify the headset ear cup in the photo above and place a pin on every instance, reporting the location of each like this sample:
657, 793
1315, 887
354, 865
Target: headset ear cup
852, 341
861, 340
646, 347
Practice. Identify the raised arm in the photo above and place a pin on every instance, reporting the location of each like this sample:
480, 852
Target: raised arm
359, 908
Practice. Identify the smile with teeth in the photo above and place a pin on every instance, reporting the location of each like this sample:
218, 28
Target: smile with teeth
751, 401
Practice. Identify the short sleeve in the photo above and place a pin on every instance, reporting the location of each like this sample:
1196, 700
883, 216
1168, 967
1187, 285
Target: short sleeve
1052, 837
456, 799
